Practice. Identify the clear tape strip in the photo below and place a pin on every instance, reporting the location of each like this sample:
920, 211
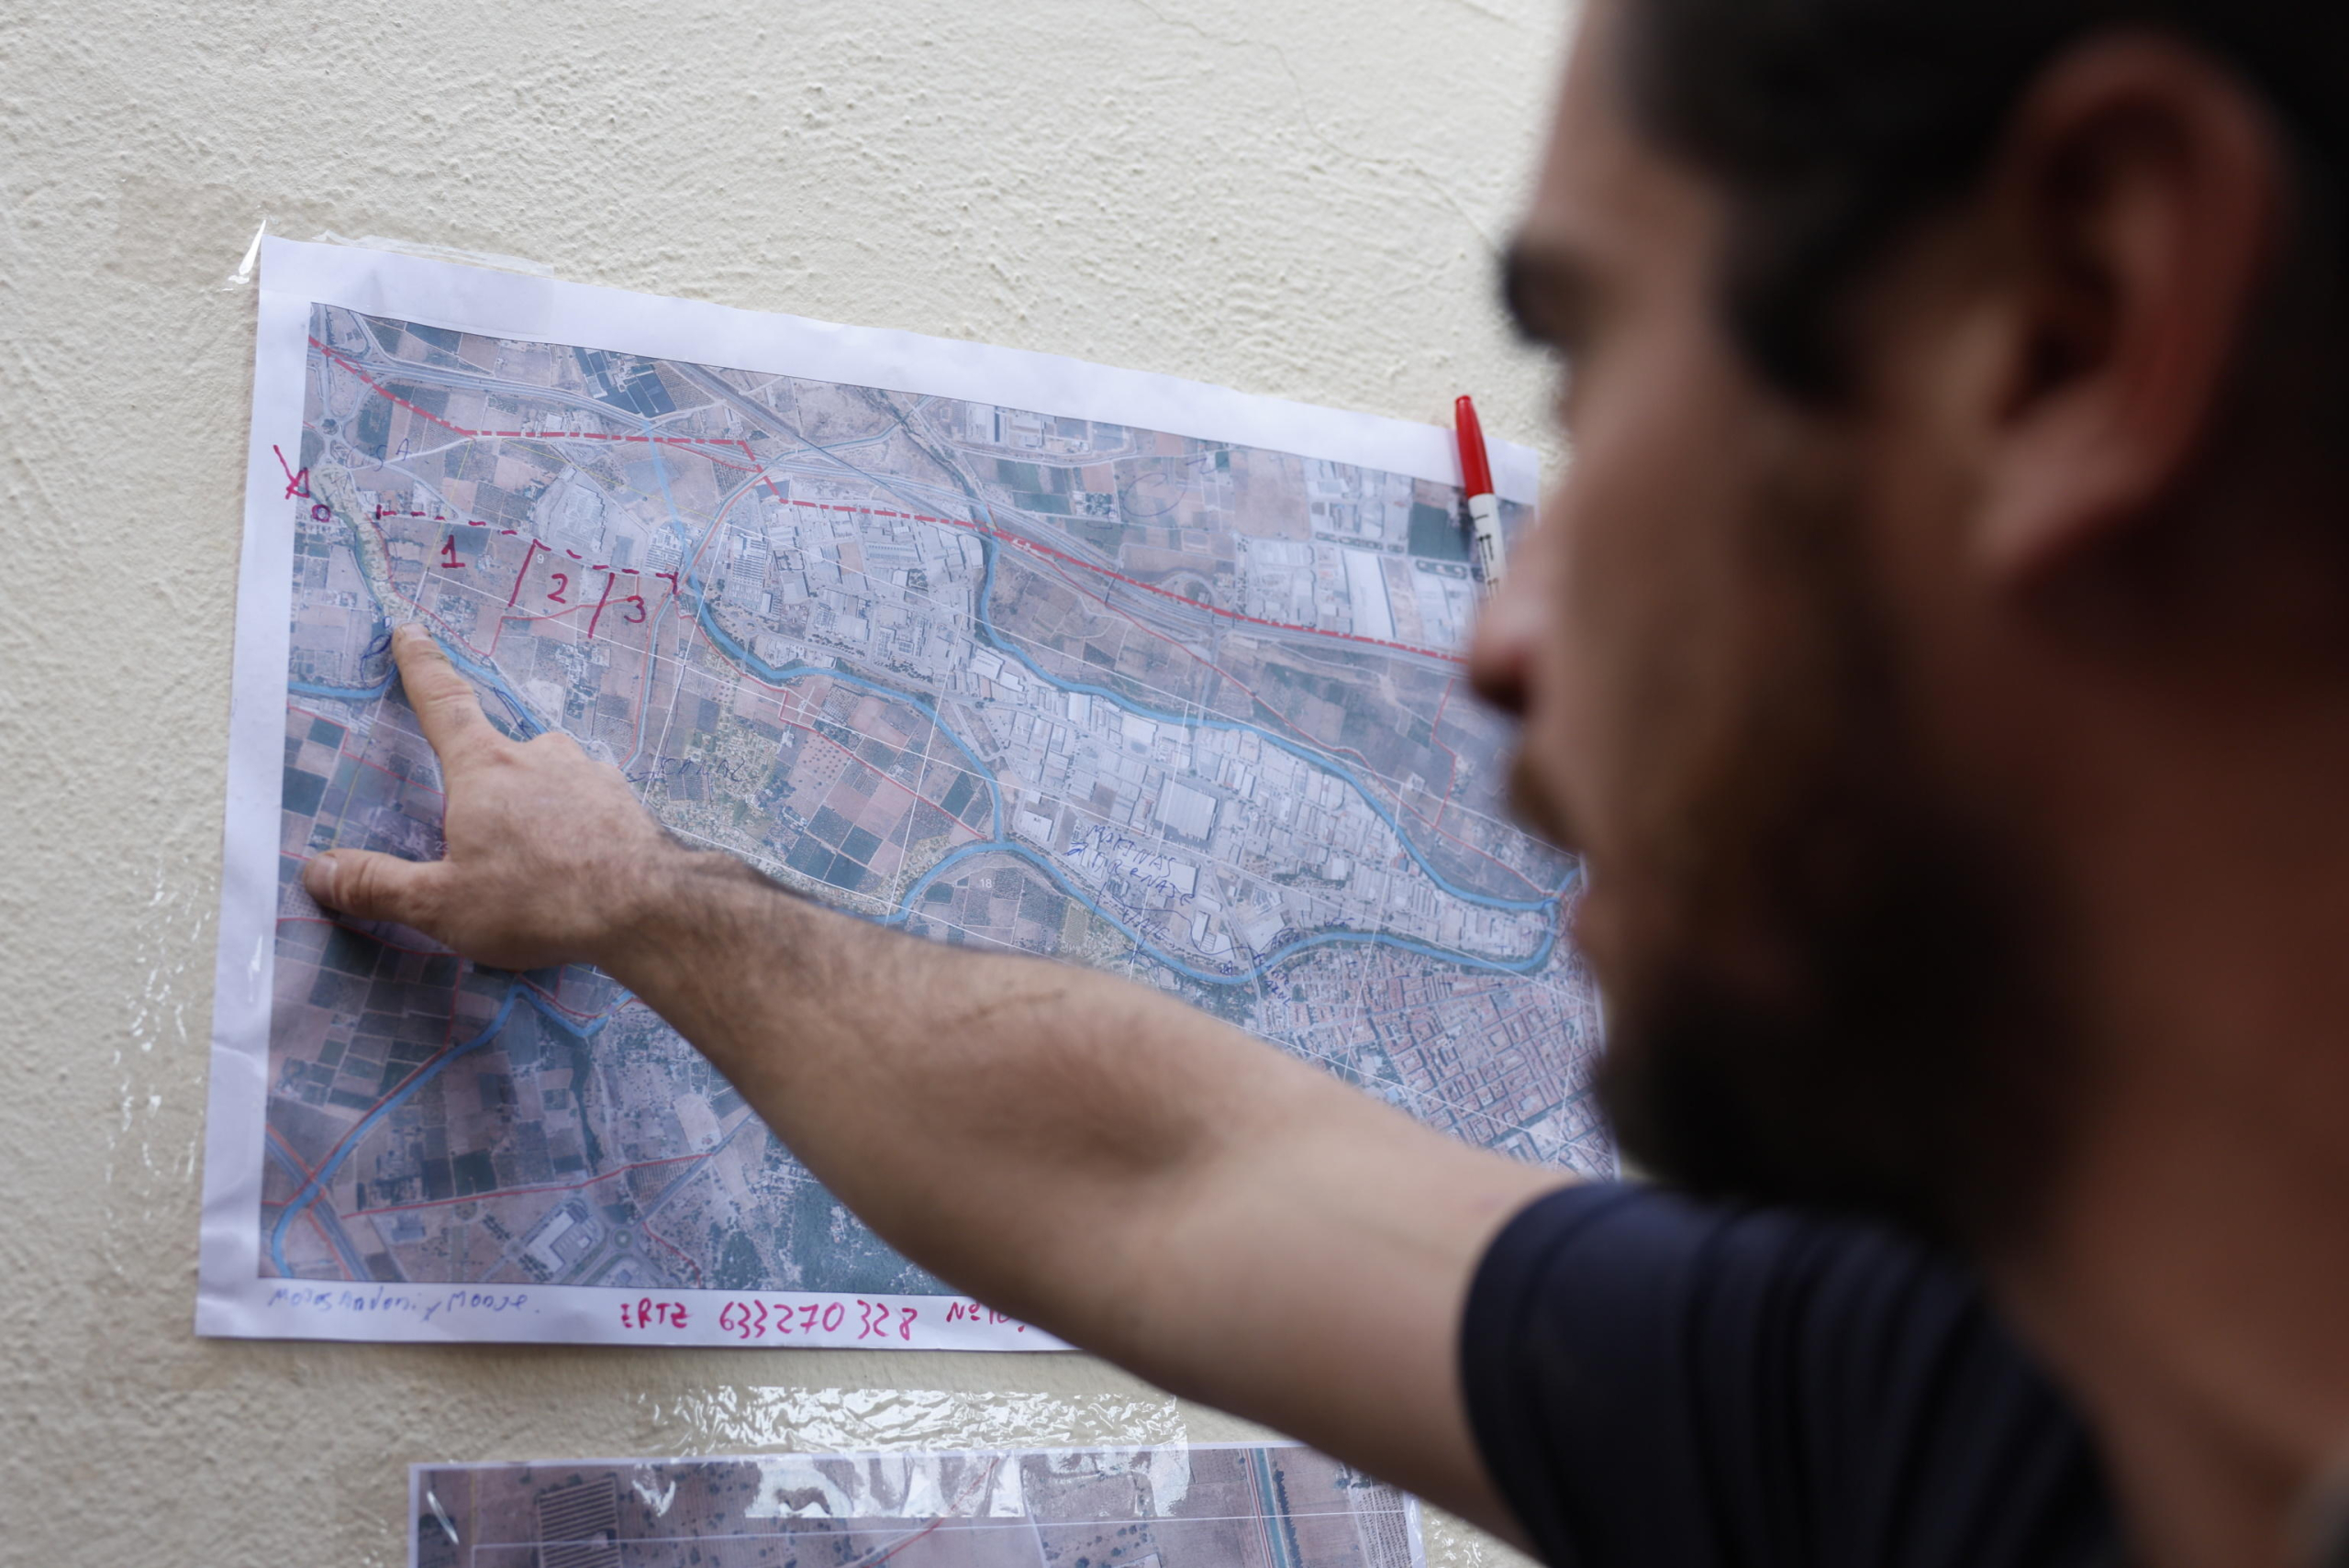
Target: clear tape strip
749, 1419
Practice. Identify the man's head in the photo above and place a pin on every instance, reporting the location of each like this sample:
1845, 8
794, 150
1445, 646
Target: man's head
1952, 411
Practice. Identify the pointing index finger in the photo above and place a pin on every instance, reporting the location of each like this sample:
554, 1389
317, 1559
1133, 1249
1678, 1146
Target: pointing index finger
446, 708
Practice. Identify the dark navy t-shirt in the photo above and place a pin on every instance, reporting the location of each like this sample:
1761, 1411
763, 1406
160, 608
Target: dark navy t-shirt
1657, 1383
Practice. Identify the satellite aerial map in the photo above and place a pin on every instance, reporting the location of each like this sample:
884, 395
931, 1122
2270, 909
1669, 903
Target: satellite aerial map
1188, 711
1205, 1506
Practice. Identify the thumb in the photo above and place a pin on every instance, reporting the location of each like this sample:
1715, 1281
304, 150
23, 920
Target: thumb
370, 887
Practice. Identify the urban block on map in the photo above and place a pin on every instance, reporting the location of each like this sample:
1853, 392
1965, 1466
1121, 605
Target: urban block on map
1189, 711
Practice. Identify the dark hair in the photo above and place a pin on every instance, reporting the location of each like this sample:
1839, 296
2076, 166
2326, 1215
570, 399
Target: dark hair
1836, 125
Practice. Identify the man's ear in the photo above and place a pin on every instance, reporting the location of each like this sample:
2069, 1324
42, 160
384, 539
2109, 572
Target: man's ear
2141, 193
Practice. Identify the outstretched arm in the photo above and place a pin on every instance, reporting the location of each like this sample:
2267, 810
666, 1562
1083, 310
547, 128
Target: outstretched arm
1083, 1153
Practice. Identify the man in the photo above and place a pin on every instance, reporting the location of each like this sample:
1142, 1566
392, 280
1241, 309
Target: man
1937, 653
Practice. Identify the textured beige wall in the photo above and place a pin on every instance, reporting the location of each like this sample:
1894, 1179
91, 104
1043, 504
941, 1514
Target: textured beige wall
1301, 197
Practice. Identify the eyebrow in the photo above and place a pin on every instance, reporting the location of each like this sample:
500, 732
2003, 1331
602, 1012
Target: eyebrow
1546, 288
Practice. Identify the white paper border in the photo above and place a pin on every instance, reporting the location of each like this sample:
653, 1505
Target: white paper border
229, 1264
232, 1297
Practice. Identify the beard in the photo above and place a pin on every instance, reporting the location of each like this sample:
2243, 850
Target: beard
1827, 984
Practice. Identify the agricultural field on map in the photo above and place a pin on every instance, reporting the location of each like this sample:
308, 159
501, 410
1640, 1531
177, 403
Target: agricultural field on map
1188, 711
1275, 1506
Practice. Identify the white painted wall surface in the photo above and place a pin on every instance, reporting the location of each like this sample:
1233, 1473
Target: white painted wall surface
1300, 197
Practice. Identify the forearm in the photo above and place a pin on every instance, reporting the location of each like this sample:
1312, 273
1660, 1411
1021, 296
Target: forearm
1003, 1121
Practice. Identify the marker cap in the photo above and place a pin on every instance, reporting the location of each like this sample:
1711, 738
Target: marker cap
1475, 467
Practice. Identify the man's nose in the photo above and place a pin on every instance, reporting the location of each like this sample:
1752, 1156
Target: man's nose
1510, 628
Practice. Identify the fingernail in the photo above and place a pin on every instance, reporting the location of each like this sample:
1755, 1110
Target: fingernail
321, 876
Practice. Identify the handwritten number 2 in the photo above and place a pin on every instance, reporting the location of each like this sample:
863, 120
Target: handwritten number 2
562, 586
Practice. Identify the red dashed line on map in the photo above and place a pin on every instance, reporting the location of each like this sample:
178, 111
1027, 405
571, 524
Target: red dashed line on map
702, 445
383, 512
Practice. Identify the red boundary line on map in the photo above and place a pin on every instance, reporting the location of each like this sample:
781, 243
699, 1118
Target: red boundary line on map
1001, 535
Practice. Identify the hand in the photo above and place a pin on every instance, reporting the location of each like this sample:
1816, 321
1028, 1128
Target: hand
549, 854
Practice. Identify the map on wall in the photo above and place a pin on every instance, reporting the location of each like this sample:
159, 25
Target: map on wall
1137, 692
1199, 1506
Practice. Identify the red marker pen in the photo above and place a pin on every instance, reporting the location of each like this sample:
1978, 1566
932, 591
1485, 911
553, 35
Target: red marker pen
1484, 507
